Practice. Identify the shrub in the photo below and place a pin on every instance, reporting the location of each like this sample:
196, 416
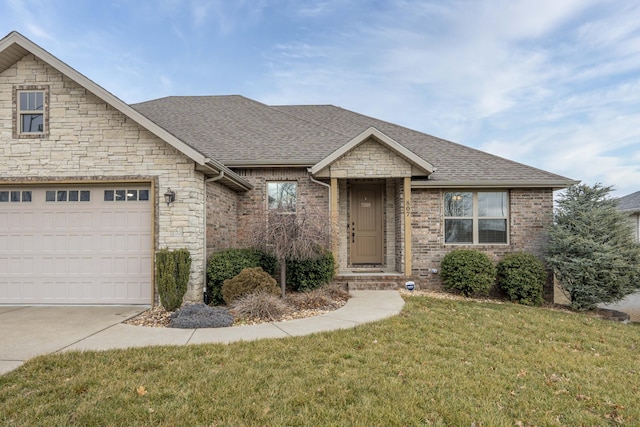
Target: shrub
308, 274
522, 277
172, 275
200, 316
249, 281
336, 292
325, 298
468, 271
228, 264
591, 248
260, 305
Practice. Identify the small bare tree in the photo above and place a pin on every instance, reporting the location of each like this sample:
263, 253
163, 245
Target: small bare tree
289, 235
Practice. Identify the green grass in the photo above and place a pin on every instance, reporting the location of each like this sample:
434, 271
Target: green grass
440, 362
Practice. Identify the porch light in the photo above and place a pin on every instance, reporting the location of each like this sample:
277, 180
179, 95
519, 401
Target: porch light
169, 196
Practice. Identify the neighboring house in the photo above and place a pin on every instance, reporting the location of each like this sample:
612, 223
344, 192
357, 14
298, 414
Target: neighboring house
630, 204
83, 180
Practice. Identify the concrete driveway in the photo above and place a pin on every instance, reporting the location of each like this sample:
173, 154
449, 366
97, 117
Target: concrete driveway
35, 330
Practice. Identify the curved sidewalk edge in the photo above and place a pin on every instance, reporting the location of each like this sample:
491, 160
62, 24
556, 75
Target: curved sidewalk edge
362, 307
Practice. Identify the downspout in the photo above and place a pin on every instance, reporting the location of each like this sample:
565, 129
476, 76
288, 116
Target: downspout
324, 184
205, 296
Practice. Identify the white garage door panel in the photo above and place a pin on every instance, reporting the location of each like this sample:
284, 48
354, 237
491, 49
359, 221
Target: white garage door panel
76, 252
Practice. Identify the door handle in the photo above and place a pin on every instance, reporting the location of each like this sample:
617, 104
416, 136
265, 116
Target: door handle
353, 237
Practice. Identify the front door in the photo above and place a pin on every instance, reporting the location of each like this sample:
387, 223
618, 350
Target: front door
366, 224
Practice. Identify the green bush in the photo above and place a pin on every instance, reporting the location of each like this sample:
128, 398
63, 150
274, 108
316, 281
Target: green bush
522, 277
172, 276
468, 272
308, 274
228, 264
249, 281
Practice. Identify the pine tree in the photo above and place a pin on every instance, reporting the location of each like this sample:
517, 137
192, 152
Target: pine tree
591, 249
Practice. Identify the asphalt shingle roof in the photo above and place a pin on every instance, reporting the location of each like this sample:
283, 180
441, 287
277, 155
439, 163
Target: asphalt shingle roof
239, 131
630, 202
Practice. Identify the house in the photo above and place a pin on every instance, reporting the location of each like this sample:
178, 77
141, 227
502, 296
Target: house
91, 187
630, 204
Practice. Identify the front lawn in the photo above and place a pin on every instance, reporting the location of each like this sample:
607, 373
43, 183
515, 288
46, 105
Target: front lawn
440, 362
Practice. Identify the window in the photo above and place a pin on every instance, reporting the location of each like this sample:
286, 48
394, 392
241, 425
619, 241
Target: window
31, 111
475, 217
282, 196
67, 196
126, 195
15, 196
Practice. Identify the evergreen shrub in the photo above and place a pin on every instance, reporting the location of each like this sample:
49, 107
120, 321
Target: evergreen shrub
200, 315
468, 271
172, 275
312, 273
249, 281
522, 277
228, 264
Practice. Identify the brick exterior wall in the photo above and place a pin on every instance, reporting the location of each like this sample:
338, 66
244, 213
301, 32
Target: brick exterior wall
253, 203
88, 140
222, 218
530, 216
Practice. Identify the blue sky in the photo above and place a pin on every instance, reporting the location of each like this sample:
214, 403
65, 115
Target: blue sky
551, 83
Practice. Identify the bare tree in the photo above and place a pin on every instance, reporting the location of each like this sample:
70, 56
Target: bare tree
303, 234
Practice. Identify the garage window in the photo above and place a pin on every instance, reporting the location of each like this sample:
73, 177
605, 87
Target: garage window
126, 195
15, 196
68, 196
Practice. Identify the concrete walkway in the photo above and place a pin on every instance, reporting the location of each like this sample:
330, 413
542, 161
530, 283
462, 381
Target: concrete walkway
29, 331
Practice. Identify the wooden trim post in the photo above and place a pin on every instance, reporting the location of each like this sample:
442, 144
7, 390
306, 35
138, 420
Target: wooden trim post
407, 226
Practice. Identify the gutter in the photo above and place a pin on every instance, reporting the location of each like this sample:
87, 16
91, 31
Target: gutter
556, 185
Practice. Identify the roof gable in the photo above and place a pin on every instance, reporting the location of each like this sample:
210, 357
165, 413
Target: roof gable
389, 143
15, 46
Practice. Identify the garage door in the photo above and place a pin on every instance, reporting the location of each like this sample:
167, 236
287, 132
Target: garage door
75, 245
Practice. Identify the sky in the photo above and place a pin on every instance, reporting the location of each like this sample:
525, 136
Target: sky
554, 84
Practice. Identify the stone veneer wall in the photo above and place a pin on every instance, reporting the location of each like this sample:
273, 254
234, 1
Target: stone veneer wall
530, 215
370, 160
89, 140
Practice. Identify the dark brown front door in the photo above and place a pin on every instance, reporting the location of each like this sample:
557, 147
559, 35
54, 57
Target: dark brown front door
366, 224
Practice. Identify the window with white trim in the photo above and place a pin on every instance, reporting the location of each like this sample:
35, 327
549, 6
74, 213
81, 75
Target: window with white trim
282, 196
476, 217
31, 119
